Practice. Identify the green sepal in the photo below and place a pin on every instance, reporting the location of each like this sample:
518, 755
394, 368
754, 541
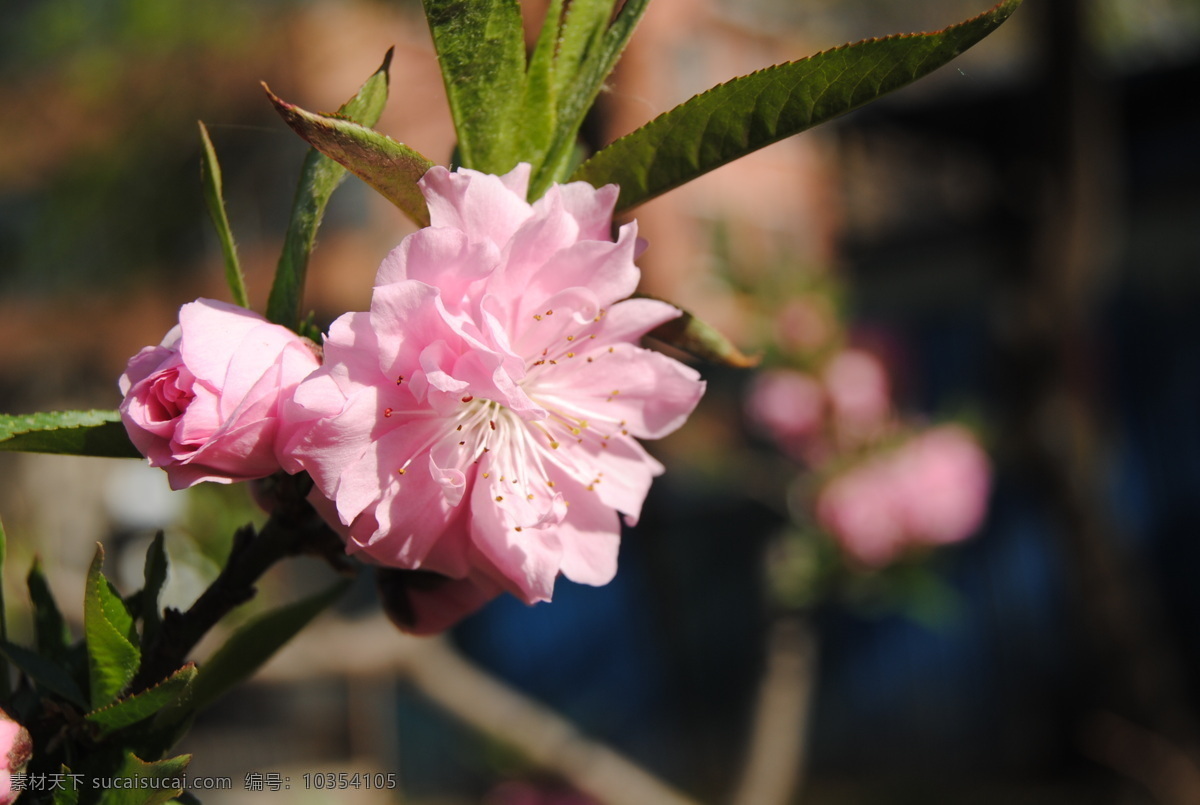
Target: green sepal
210, 178
79, 433
700, 339
140, 706
747, 113
392, 168
319, 177
113, 654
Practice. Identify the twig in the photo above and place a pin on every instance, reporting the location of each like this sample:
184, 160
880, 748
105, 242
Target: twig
294, 528
774, 768
373, 647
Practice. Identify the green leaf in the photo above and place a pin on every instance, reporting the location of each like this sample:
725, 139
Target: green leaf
113, 655
390, 167
142, 705
147, 781
587, 56
319, 177
210, 177
53, 636
481, 49
702, 340
254, 643
80, 433
538, 106
45, 672
155, 574
68, 794
747, 113
583, 27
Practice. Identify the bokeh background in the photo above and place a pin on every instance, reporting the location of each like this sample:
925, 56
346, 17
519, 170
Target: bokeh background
1017, 237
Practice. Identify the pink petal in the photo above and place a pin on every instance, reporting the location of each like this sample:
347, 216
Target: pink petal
212, 332
485, 207
590, 535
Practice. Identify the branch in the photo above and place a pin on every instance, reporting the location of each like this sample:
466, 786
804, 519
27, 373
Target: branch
373, 647
293, 529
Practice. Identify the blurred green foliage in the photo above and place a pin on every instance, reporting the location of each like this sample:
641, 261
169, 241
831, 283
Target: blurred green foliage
99, 182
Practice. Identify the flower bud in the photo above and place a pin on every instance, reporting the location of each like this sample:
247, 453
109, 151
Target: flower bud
15, 750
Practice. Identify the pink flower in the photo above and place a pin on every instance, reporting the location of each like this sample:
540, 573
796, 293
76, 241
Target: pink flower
479, 421
15, 750
204, 404
932, 490
789, 406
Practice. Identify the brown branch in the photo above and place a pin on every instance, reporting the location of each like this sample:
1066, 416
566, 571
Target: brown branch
774, 766
293, 529
373, 647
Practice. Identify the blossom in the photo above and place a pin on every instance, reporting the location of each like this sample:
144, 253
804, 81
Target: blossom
15, 750
859, 393
932, 490
944, 480
479, 421
204, 404
789, 407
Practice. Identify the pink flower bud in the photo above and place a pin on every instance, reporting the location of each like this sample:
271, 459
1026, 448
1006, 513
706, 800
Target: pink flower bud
204, 404
15, 750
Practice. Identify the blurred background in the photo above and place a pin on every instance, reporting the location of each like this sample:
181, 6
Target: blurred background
1014, 239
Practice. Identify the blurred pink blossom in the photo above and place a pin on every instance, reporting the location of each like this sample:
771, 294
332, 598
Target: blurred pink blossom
15, 750
861, 508
204, 404
859, 392
944, 480
788, 406
479, 421
932, 490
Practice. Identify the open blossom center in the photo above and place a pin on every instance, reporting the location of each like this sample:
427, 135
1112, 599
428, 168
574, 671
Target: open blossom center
513, 446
